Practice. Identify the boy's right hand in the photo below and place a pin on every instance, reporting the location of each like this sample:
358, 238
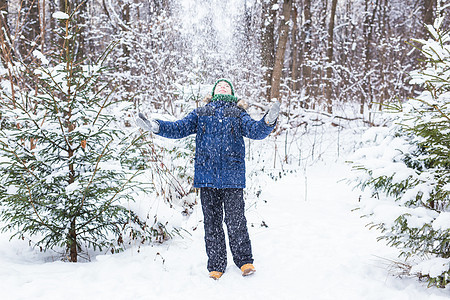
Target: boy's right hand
147, 124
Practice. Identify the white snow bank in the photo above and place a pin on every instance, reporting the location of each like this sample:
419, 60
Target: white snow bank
433, 267
310, 246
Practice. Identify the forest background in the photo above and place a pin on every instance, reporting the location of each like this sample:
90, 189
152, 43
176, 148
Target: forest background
311, 54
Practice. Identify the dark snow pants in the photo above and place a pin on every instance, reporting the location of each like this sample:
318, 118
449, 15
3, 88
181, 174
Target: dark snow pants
214, 202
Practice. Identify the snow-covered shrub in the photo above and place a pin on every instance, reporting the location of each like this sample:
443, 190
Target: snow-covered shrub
68, 165
171, 163
406, 167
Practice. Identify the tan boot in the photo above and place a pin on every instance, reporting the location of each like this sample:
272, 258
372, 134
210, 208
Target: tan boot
247, 269
215, 275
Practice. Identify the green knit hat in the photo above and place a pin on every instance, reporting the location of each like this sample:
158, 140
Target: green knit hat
227, 81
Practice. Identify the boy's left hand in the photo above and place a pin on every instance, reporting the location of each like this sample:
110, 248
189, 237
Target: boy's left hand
273, 113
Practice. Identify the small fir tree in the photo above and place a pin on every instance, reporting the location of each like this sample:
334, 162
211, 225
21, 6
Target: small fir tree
407, 167
67, 163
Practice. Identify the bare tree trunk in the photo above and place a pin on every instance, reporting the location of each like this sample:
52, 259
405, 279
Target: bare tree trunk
367, 34
281, 48
51, 35
72, 235
43, 10
385, 59
428, 15
4, 16
81, 19
72, 242
428, 8
31, 28
6, 48
306, 39
5, 51
295, 62
268, 41
125, 15
329, 88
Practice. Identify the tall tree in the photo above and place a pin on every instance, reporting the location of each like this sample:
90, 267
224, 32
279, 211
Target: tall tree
368, 26
295, 49
268, 14
5, 45
50, 27
281, 48
330, 57
6, 48
66, 191
30, 28
307, 41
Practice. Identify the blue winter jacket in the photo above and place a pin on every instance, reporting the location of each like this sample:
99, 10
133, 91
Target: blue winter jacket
220, 150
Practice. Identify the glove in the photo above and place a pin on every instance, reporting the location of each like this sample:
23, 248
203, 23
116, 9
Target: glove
148, 125
273, 113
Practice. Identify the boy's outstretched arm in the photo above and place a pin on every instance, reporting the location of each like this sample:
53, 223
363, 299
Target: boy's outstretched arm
259, 130
173, 130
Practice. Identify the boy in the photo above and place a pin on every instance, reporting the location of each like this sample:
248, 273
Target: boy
220, 169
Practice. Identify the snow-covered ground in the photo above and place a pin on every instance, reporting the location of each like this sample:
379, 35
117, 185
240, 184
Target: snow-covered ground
312, 247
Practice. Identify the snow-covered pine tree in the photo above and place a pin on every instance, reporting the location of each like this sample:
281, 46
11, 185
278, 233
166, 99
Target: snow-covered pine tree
68, 165
407, 167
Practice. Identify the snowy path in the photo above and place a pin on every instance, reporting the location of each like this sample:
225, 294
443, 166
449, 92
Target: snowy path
313, 248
